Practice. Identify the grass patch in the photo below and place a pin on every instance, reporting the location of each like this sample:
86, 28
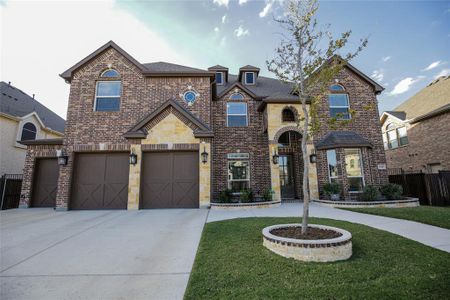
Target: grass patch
232, 263
432, 215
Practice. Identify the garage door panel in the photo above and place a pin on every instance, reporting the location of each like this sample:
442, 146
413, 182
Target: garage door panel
100, 181
169, 180
45, 182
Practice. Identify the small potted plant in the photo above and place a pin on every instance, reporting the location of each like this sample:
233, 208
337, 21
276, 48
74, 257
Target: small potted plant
332, 190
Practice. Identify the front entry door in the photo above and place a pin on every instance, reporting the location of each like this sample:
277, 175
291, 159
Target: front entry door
286, 177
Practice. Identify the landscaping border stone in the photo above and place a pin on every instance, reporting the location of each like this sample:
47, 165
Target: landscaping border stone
225, 206
326, 250
409, 202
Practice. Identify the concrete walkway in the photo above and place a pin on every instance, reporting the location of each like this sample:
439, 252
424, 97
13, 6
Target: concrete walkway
433, 236
146, 254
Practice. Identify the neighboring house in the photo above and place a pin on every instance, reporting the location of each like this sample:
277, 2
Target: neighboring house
22, 118
160, 135
417, 133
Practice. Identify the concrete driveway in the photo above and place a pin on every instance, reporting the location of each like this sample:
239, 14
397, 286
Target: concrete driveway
146, 254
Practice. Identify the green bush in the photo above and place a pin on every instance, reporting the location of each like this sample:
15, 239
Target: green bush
370, 193
392, 191
332, 188
246, 196
268, 195
225, 196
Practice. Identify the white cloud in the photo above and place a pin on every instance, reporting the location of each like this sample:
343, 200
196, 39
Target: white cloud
405, 85
222, 2
241, 32
266, 10
443, 72
223, 42
51, 49
433, 65
224, 19
242, 2
216, 29
386, 58
378, 75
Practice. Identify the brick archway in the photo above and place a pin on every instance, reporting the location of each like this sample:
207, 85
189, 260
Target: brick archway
286, 129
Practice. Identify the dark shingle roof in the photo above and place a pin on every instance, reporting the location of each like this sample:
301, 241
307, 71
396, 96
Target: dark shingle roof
339, 139
162, 67
16, 103
398, 114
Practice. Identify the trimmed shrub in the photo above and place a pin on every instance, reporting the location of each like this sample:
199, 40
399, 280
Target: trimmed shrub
392, 191
225, 196
331, 188
370, 193
268, 195
246, 196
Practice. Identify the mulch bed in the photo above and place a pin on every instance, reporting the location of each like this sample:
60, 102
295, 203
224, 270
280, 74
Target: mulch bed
312, 233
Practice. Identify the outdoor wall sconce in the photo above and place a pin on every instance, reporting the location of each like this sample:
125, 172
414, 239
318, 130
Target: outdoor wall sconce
275, 157
62, 157
312, 158
204, 156
133, 158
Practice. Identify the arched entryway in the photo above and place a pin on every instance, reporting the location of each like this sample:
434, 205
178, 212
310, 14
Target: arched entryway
290, 163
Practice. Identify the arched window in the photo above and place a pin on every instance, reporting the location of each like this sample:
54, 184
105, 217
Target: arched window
236, 96
110, 73
107, 96
396, 137
390, 126
339, 103
287, 115
28, 132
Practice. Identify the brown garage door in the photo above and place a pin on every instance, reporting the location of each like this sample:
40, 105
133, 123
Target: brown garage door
100, 181
169, 180
45, 182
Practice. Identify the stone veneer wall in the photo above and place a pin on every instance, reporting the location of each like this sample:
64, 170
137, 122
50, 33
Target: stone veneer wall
366, 123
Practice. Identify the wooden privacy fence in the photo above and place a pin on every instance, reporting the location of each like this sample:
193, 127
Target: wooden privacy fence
431, 189
10, 185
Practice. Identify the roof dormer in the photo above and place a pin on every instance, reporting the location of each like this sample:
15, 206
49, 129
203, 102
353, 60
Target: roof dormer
248, 75
221, 74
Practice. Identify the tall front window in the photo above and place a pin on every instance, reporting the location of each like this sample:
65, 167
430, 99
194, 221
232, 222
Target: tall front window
339, 103
108, 96
353, 167
236, 114
332, 165
28, 132
238, 175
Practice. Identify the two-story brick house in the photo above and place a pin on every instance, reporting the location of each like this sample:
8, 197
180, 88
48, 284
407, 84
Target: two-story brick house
161, 135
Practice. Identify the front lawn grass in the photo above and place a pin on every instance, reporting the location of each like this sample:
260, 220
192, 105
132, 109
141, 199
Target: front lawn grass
232, 263
432, 215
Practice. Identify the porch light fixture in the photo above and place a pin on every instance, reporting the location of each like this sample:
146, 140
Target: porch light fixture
204, 156
313, 158
62, 157
275, 157
133, 158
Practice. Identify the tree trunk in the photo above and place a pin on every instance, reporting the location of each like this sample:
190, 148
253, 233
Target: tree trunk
306, 195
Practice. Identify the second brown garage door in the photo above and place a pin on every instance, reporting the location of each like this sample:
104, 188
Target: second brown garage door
169, 180
100, 181
45, 183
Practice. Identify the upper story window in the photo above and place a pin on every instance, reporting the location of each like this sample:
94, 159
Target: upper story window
249, 78
339, 103
237, 114
107, 94
396, 137
219, 78
287, 115
236, 96
28, 132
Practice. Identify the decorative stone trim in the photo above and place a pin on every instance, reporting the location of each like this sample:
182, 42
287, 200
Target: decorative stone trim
159, 147
410, 202
286, 129
325, 250
100, 147
232, 206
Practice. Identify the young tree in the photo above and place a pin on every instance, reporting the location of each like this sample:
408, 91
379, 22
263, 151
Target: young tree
307, 58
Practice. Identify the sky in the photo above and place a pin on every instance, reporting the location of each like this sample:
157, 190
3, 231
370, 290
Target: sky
409, 41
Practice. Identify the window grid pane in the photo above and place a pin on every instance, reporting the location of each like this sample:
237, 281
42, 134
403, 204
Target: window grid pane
238, 175
236, 114
249, 78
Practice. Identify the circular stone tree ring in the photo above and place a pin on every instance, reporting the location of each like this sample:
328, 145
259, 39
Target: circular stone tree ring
323, 250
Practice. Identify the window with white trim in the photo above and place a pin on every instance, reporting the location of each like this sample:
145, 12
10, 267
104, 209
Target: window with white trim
332, 165
28, 132
107, 96
238, 175
396, 137
219, 78
354, 169
237, 114
339, 103
249, 77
